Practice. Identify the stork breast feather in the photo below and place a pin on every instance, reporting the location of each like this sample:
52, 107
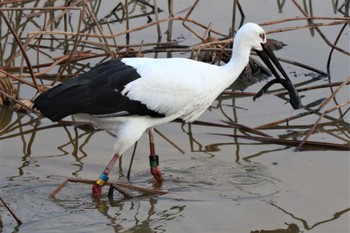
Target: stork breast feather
164, 95
172, 86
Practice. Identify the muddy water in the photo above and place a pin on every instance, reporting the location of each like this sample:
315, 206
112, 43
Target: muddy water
221, 184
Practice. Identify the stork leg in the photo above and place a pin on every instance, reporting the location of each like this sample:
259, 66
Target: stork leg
154, 159
97, 187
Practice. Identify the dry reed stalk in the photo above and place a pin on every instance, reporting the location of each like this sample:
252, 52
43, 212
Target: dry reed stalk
170, 23
285, 120
295, 143
318, 121
19, 43
175, 18
157, 22
157, 19
315, 87
93, 16
122, 185
345, 82
285, 20
7, 87
66, 9
113, 187
325, 112
316, 26
41, 9
13, 1
19, 222
169, 141
21, 80
23, 105
132, 160
330, 58
186, 18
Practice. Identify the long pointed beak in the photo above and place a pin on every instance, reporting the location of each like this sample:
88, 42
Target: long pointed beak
266, 55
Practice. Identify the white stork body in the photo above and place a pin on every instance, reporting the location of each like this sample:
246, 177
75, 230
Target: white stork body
131, 95
176, 87
184, 88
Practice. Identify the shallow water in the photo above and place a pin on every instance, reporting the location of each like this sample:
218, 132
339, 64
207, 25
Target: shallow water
221, 184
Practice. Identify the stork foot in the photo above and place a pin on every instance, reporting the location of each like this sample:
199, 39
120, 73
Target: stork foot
97, 187
154, 163
96, 191
157, 174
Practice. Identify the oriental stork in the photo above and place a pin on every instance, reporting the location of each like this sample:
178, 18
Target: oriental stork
132, 95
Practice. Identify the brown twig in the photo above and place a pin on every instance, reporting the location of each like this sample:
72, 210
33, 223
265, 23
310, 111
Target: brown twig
316, 26
81, 16
93, 16
11, 211
1, 222
325, 112
169, 141
302, 18
314, 87
345, 82
127, 186
116, 187
132, 160
345, 147
304, 141
175, 18
21, 48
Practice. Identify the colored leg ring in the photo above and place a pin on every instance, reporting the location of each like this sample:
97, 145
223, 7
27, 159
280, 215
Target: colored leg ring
102, 180
154, 160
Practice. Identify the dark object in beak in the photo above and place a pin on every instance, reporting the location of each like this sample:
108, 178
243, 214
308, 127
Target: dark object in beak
266, 55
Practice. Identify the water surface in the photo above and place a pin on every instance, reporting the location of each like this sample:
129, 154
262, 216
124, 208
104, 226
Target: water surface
221, 184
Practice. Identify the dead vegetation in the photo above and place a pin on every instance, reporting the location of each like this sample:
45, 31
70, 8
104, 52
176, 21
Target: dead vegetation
46, 42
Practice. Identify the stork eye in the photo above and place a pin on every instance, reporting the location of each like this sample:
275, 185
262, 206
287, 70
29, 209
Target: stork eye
262, 36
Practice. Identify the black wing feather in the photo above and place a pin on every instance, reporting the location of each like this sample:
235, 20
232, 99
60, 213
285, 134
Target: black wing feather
96, 92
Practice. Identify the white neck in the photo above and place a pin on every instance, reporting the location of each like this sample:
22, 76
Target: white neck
239, 59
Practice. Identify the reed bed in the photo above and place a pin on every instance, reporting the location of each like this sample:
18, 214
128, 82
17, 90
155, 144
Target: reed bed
46, 42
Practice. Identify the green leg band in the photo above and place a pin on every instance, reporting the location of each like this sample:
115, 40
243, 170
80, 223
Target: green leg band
154, 160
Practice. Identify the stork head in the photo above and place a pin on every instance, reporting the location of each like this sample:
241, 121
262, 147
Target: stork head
252, 36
